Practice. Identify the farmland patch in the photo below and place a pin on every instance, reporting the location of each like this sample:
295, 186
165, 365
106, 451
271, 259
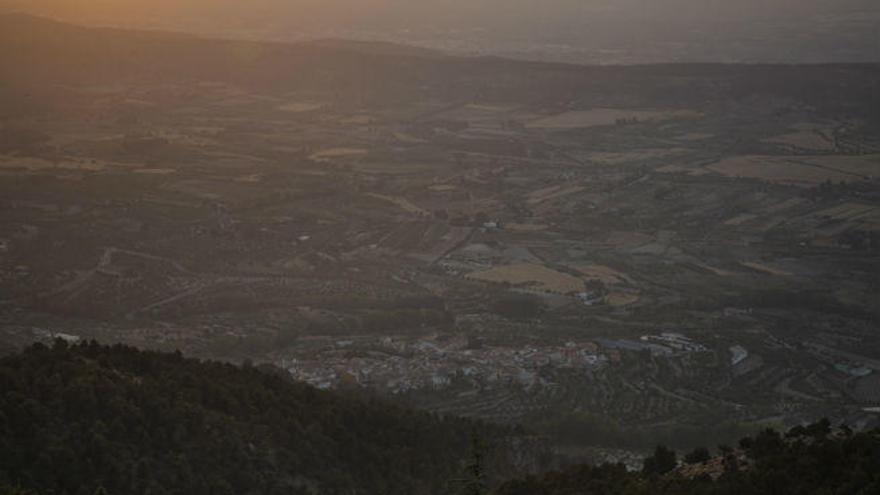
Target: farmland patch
553, 192
605, 116
331, 153
531, 275
761, 267
798, 171
806, 140
403, 203
300, 106
604, 274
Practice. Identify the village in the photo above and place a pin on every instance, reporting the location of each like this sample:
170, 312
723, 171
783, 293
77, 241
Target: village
399, 367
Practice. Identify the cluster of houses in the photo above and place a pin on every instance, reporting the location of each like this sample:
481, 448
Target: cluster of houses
676, 342
665, 344
400, 366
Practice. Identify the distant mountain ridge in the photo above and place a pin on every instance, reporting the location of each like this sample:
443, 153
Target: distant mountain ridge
18, 24
583, 31
36, 51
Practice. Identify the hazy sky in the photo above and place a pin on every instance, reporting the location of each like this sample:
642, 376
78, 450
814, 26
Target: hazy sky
799, 30
426, 11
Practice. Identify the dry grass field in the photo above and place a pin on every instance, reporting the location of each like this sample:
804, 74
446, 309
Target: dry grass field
740, 219
537, 276
604, 274
407, 139
525, 227
619, 299
387, 168
357, 120
848, 211
553, 192
442, 187
694, 136
761, 267
250, 178
300, 107
605, 116
806, 140
797, 171
856, 215
403, 203
785, 205
606, 158
331, 153
712, 269
486, 107
673, 169
862, 166
191, 137
478, 115
36, 164
627, 240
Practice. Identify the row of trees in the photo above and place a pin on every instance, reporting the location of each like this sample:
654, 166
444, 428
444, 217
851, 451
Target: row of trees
806, 460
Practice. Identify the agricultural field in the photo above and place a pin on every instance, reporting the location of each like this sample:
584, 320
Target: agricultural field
404, 204
332, 153
530, 276
811, 140
300, 107
605, 117
797, 171
604, 274
764, 268
495, 250
551, 193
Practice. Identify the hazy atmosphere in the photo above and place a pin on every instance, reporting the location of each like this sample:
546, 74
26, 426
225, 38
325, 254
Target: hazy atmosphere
580, 31
424, 247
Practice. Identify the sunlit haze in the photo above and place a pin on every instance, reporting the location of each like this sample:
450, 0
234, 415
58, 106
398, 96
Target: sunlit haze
439, 247
594, 31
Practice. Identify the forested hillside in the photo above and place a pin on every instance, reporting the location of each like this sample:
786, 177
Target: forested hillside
88, 418
76, 419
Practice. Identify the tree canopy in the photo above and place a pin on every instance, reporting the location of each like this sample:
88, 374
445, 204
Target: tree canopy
85, 418
807, 460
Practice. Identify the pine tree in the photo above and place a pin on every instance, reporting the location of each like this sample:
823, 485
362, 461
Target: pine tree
474, 482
